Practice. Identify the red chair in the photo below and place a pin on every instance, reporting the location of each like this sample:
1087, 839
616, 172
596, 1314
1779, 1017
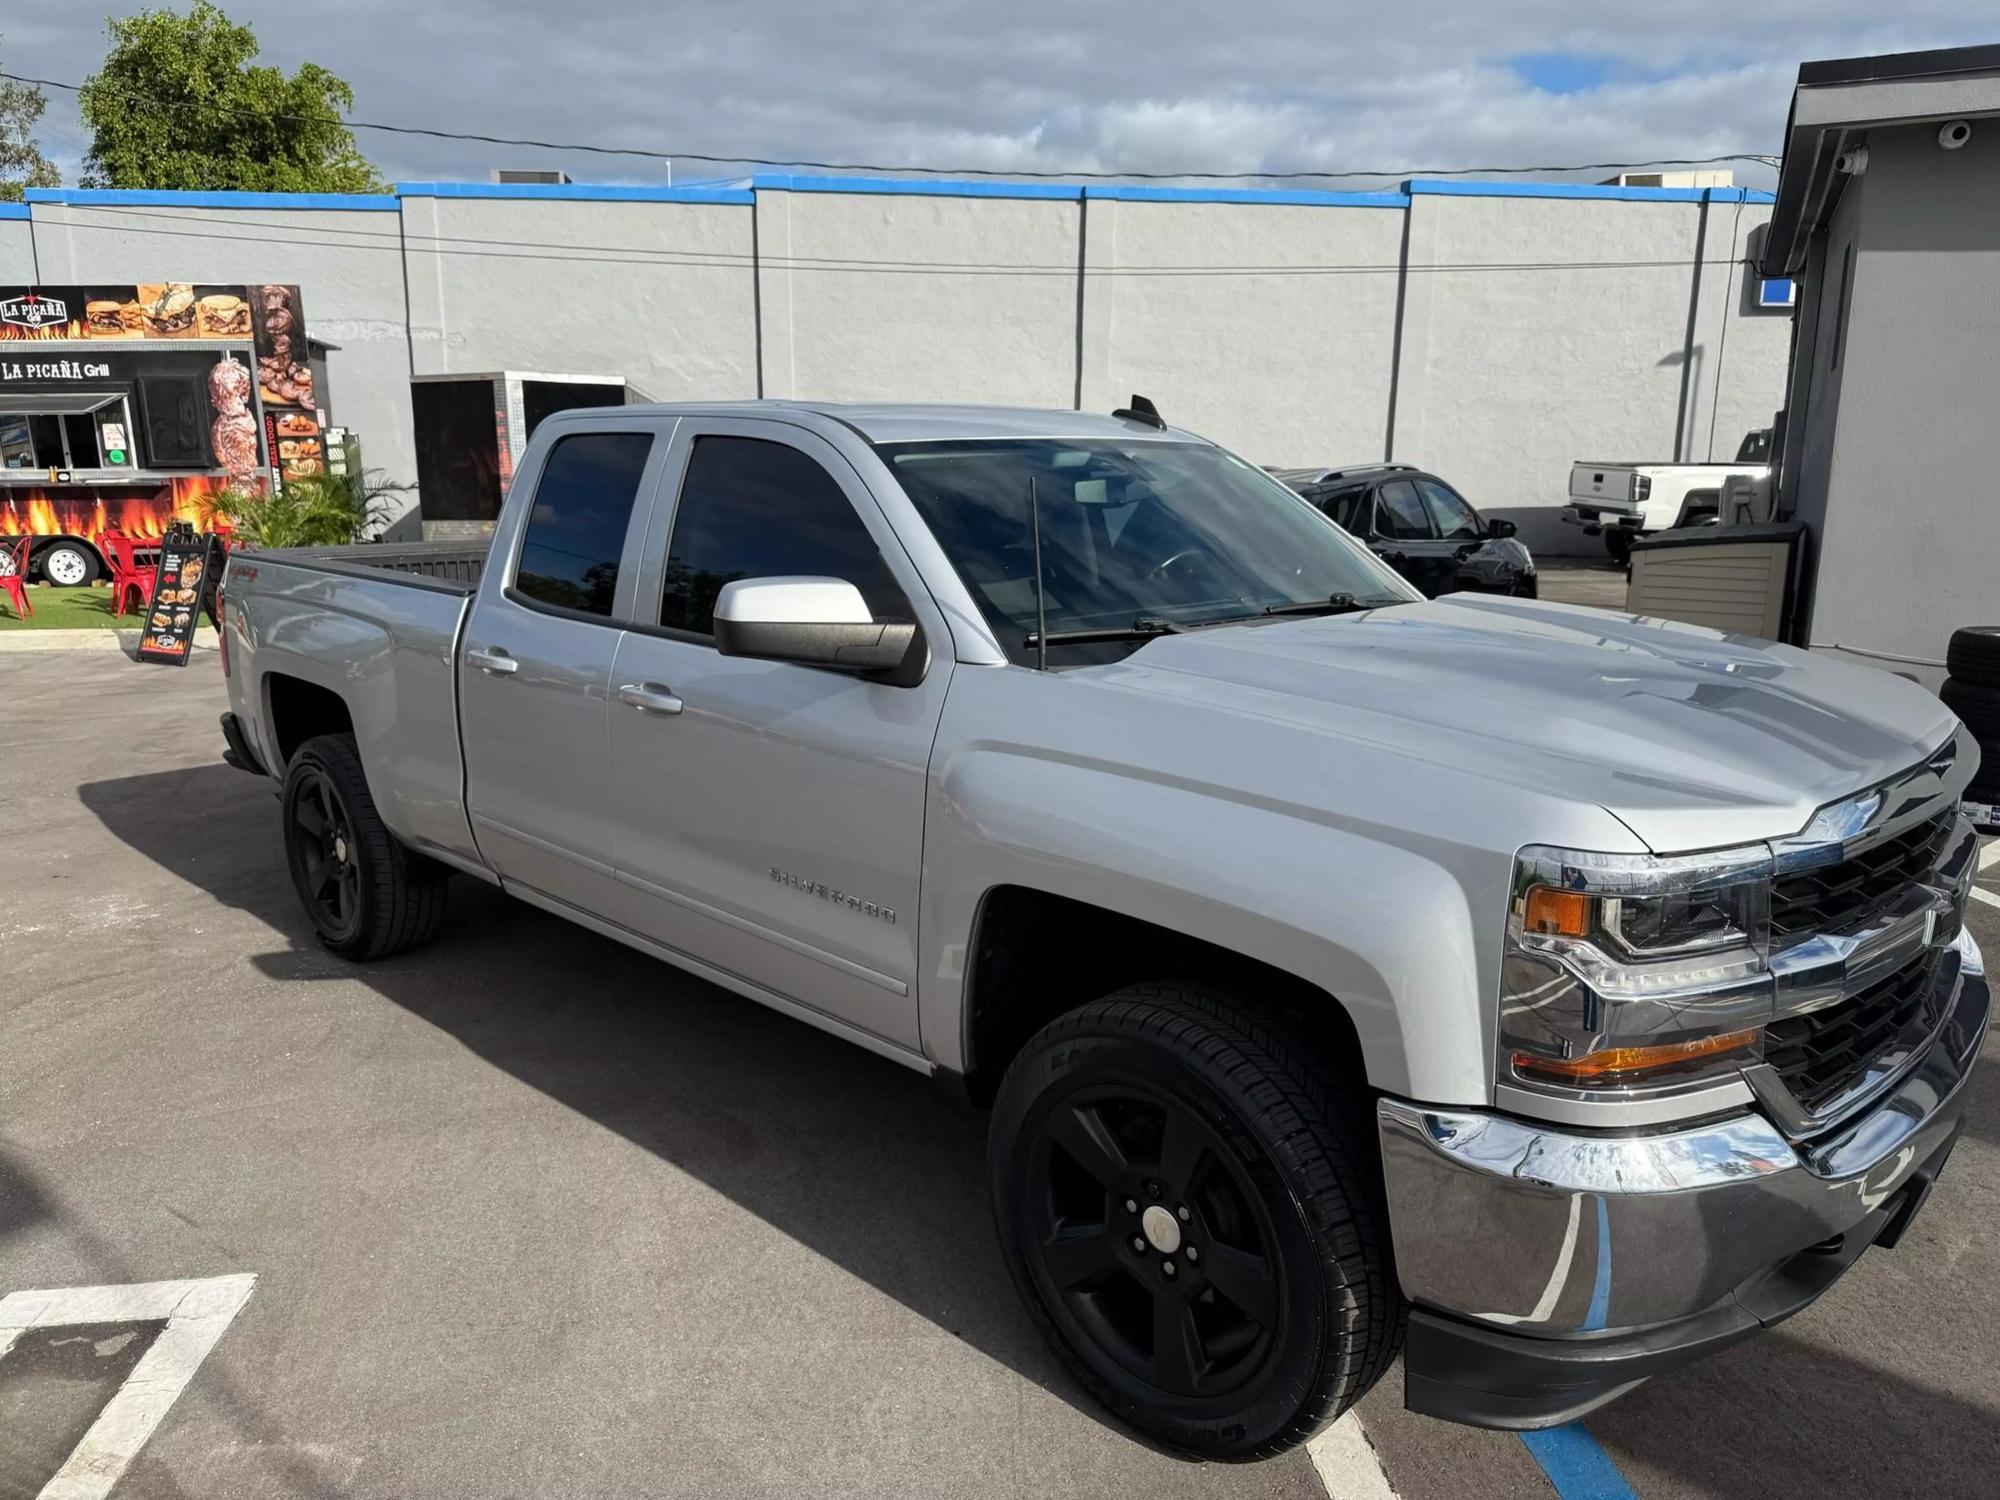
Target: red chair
127, 577
14, 574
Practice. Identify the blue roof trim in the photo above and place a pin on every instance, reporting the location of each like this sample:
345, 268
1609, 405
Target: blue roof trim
584, 192
150, 198
743, 190
925, 187
1303, 197
1457, 188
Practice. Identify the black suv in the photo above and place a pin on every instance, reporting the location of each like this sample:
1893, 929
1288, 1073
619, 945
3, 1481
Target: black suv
1420, 526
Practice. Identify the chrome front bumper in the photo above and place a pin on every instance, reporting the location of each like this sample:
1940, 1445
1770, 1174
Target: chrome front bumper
1568, 1246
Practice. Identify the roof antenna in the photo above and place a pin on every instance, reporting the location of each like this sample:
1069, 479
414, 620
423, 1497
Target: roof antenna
1142, 410
1041, 604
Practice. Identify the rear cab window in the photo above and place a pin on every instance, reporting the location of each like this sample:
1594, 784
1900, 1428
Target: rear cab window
575, 533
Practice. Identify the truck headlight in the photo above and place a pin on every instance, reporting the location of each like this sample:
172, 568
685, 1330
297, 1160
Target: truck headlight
1627, 970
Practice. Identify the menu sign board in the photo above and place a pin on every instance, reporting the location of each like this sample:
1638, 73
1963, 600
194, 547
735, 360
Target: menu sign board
186, 563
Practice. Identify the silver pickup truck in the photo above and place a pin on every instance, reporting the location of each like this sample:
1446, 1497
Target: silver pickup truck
1549, 995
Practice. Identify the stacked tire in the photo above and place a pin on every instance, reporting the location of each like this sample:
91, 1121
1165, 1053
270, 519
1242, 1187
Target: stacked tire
1972, 691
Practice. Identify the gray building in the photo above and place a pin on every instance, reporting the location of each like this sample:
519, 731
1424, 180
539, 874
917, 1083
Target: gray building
1888, 212
1491, 331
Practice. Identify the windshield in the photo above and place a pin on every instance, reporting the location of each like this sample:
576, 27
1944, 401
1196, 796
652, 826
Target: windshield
1177, 532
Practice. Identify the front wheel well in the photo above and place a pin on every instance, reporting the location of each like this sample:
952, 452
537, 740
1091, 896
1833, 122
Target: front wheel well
1035, 956
301, 710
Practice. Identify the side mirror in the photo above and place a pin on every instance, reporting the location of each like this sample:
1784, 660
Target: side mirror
815, 622
1500, 528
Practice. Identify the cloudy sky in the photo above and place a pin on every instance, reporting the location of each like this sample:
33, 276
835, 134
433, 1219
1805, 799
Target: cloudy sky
1171, 85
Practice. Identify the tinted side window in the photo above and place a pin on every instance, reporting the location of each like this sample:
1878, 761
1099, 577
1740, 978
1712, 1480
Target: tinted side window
1348, 509
583, 508
1454, 518
756, 509
1402, 513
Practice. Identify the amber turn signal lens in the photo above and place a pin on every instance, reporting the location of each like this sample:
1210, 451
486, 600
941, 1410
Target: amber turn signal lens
1620, 1064
1566, 913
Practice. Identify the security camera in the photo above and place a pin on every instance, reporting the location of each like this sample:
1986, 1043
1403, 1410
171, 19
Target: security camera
1852, 162
1954, 133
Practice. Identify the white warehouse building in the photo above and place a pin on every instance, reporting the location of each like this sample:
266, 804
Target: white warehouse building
1493, 332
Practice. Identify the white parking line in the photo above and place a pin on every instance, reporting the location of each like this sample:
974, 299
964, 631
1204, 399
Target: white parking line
1987, 896
1347, 1463
196, 1314
1989, 852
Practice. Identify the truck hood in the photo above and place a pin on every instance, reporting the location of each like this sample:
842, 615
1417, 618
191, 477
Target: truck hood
1691, 737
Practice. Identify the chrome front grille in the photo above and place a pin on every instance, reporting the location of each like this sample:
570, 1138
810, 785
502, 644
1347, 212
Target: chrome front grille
1822, 1053
1835, 896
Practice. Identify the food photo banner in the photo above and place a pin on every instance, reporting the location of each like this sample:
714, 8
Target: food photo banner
127, 311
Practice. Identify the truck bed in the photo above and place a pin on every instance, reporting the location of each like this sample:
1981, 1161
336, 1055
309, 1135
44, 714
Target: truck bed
452, 567
377, 627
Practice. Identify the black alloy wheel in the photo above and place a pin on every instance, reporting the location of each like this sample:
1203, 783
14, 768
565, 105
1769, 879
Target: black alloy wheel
325, 856
366, 893
1191, 1210
1149, 1241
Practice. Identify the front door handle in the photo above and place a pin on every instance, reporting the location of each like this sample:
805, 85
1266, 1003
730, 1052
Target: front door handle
496, 662
650, 697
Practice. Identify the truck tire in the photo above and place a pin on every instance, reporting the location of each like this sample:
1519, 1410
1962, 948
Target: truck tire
366, 893
66, 565
1165, 1126
1973, 657
1619, 545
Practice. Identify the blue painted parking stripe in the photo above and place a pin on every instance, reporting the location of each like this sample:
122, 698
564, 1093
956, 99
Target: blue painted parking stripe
1576, 1466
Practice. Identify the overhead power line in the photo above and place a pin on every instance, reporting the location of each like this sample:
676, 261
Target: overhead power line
583, 147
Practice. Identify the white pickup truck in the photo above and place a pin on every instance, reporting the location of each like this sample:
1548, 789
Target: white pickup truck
1625, 500
1551, 994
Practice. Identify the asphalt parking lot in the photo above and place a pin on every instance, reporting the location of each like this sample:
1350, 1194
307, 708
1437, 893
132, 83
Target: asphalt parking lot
530, 1214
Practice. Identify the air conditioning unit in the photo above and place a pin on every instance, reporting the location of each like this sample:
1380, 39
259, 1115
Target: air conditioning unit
534, 176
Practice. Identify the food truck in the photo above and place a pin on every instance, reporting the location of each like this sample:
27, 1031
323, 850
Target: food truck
122, 407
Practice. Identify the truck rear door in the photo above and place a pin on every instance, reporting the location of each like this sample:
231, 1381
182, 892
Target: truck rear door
773, 813
534, 675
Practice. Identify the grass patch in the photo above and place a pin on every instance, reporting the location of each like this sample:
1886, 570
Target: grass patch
86, 608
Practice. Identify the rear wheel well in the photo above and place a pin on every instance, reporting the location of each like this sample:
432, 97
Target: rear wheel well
1035, 956
300, 710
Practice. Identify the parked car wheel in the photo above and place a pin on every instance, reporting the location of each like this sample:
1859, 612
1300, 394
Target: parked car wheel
1192, 1217
66, 565
368, 895
1619, 545
1973, 657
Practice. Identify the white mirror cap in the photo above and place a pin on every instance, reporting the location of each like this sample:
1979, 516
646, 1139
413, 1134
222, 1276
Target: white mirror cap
792, 601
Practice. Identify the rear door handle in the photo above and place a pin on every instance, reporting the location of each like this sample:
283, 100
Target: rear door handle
496, 662
650, 697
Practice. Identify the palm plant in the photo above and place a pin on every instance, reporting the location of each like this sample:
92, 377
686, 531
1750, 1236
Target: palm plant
316, 510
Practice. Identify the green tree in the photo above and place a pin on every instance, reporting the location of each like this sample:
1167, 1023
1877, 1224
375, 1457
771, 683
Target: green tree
22, 164
178, 105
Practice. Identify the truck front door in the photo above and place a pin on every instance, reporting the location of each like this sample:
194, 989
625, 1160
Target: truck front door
773, 813
534, 673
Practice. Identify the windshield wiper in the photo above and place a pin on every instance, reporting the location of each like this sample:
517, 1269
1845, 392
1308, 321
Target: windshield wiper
1142, 629
1335, 604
